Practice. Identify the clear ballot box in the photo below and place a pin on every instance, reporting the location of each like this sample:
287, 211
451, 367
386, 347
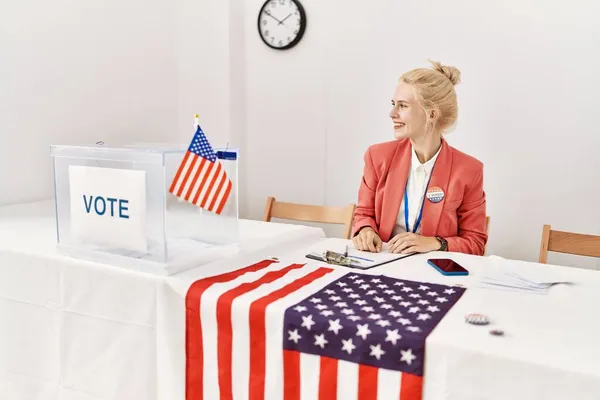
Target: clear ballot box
113, 206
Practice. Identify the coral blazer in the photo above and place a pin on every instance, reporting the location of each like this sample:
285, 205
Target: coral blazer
459, 217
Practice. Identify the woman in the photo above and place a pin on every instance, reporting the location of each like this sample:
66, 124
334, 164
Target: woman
418, 194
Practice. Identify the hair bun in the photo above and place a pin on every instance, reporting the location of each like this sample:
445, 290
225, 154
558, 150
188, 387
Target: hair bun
451, 73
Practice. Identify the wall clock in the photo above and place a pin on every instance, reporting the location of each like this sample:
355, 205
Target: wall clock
281, 23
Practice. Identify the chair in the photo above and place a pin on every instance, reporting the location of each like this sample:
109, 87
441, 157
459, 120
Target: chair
311, 213
569, 243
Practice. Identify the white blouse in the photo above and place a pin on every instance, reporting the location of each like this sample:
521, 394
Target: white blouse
418, 177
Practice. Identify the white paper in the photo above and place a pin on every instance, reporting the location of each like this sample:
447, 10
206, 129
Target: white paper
363, 259
108, 207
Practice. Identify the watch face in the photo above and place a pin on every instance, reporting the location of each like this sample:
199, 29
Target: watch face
281, 23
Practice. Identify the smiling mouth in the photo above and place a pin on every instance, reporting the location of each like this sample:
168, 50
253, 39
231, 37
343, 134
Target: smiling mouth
399, 125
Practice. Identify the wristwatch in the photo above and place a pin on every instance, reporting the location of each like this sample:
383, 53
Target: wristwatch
443, 243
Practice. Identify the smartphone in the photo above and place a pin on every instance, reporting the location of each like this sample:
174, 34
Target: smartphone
446, 266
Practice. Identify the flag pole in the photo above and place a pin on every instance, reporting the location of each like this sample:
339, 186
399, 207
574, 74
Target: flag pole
195, 121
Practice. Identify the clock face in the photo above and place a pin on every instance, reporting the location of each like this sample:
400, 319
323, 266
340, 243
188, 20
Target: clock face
281, 23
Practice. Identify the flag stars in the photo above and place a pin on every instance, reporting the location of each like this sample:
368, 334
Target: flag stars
423, 287
329, 291
423, 317
432, 294
379, 299
382, 286
383, 323
413, 310
449, 291
365, 286
407, 356
308, 322
341, 304
321, 306
347, 290
403, 321
335, 298
294, 336
342, 284
376, 351
441, 300
433, 308
327, 313
407, 289
371, 292
393, 336
347, 311
320, 340
354, 318
348, 346
335, 326
360, 302
354, 296
368, 309
386, 306
414, 329
397, 298
374, 316
376, 280
389, 291
423, 302
315, 300
405, 303
415, 296
363, 331
395, 314
300, 308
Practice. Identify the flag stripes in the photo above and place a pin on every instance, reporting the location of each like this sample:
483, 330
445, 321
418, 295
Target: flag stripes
234, 334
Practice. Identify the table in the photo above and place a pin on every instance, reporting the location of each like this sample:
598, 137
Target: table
550, 349
75, 330
79, 330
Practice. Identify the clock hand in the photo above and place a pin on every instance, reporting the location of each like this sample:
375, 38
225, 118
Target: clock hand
269, 14
281, 22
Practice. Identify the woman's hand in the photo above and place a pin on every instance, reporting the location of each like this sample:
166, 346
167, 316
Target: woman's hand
367, 240
408, 242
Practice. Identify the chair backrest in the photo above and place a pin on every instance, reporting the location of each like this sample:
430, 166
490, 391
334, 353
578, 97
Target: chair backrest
311, 213
569, 243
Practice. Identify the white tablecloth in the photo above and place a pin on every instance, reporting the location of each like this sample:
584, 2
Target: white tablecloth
77, 330
550, 349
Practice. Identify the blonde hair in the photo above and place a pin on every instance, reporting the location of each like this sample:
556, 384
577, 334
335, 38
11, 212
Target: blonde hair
435, 88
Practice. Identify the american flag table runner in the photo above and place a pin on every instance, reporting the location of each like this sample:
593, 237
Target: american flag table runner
304, 331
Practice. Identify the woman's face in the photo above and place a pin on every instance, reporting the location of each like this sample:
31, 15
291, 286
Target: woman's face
407, 115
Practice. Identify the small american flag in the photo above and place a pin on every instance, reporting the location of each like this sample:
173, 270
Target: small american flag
201, 179
307, 331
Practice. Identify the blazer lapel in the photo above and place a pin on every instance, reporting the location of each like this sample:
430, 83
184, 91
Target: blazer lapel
394, 189
440, 177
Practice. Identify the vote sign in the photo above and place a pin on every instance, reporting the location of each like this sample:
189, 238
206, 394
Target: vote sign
108, 207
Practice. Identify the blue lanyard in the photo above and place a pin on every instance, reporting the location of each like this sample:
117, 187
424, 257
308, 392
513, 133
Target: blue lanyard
420, 211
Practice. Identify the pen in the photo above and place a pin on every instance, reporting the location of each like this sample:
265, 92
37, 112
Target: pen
346, 253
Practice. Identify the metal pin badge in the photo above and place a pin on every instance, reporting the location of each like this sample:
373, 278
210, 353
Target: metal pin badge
435, 194
477, 319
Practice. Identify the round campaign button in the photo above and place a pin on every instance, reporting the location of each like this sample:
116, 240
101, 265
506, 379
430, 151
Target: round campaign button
477, 319
435, 194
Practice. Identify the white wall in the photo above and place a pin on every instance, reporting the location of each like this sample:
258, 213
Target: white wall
138, 70
80, 71
527, 105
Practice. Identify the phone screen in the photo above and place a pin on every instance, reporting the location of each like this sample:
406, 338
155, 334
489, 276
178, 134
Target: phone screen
448, 266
